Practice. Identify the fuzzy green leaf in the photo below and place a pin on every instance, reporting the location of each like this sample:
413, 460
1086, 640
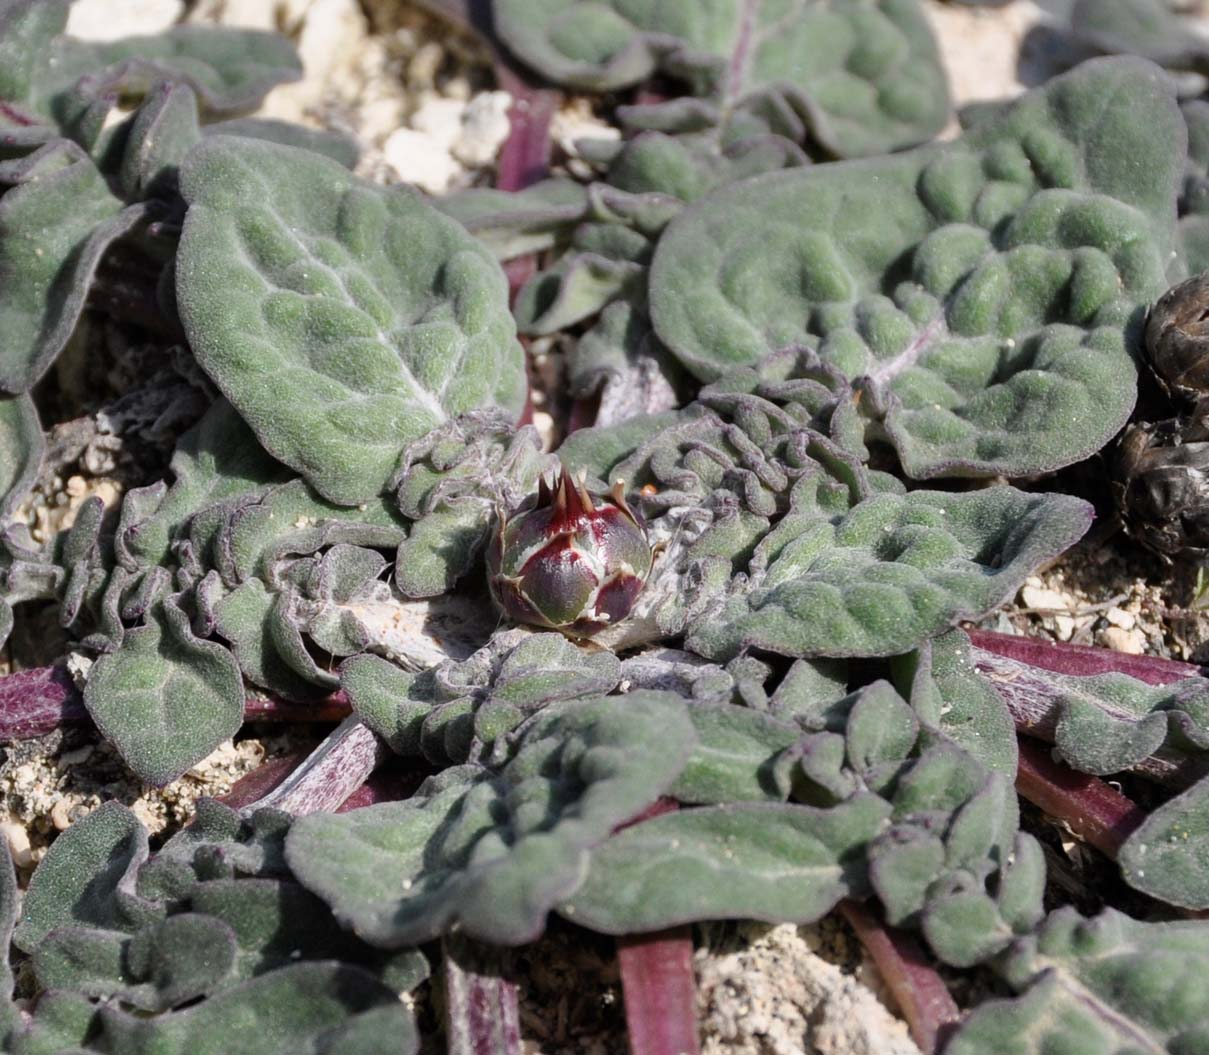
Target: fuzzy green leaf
21, 449
27, 28
735, 755
893, 571
1167, 857
165, 699
305, 1009
863, 78
1109, 986
986, 295
766, 861
57, 218
492, 853
343, 320
88, 878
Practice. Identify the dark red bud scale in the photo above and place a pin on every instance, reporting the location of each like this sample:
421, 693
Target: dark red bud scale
569, 562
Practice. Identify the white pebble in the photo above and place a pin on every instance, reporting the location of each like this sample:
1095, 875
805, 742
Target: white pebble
416, 157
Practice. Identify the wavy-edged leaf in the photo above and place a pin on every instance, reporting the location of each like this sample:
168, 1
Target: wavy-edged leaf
165, 699
57, 218
893, 571
512, 223
305, 1009
21, 448
88, 878
219, 458
985, 294
1149, 28
492, 853
949, 694
451, 482
766, 861
1110, 985
230, 69
165, 964
341, 148
343, 321
862, 78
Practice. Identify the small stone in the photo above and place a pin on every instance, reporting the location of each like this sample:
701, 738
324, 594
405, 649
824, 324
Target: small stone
485, 126
440, 118
1119, 617
418, 158
1119, 640
59, 817
105, 20
1041, 597
18, 842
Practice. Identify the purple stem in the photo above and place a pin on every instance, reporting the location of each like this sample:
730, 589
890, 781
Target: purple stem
660, 992
38, 701
1092, 810
1082, 660
1034, 702
331, 773
255, 785
921, 994
657, 979
482, 1011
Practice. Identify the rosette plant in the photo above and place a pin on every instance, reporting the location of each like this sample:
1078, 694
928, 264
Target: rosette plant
704, 660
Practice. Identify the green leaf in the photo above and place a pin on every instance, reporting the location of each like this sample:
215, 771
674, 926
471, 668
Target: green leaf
1150, 28
57, 218
343, 320
165, 964
513, 223
861, 78
949, 695
1109, 986
893, 571
341, 148
1167, 857
451, 482
306, 1009
393, 702
735, 755
8, 921
985, 295
21, 449
88, 878
27, 28
229, 69
491, 853
766, 861
244, 621
165, 699
163, 130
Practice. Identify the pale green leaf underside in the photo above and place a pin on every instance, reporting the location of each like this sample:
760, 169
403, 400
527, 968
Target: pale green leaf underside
342, 320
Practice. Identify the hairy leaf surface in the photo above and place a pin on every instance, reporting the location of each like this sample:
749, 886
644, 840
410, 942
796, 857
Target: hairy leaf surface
342, 320
985, 295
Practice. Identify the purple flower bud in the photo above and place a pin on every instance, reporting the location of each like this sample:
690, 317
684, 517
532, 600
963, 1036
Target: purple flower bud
568, 563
